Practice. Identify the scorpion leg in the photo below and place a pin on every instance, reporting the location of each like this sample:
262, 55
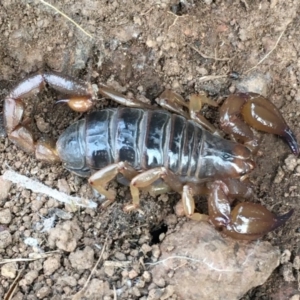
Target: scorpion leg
120, 98
99, 179
257, 112
14, 109
174, 102
248, 221
147, 178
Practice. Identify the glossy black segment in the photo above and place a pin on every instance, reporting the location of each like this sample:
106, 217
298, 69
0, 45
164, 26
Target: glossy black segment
196, 153
156, 138
290, 139
177, 137
127, 135
187, 148
98, 146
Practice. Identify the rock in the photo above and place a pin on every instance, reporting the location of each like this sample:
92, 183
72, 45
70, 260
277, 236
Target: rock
255, 83
65, 236
43, 292
29, 278
5, 187
51, 264
5, 239
226, 268
9, 270
97, 289
82, 259
5, 216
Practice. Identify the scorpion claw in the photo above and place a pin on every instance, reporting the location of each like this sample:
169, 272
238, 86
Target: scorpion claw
251, 221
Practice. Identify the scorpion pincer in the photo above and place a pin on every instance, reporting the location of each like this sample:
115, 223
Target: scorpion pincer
160, 151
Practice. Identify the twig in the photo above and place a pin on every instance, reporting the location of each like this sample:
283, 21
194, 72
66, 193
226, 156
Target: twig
38, 187
116, 264
40, 256
211, 77
268, 54
13, 287
79, 294
68, 18
206, 56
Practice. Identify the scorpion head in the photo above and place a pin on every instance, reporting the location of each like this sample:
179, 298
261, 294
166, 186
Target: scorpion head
225, 159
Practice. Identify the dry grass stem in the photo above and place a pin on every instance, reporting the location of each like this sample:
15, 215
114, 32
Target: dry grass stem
68, 18
38, 187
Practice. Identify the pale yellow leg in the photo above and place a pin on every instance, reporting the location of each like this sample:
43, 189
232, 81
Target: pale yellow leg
100, 179
189, 205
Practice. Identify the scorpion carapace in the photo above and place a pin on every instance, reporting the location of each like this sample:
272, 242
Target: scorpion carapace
160, 151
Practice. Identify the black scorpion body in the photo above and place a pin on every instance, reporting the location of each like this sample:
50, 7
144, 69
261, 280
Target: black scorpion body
141, 146
146, 139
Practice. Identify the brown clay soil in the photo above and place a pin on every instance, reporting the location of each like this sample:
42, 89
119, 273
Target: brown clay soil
142, 47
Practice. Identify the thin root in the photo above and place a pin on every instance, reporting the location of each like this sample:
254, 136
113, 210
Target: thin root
68, 18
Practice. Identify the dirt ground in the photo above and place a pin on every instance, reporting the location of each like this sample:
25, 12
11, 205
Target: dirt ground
141, 47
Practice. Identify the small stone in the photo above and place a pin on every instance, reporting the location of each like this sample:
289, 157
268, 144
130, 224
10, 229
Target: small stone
120, 256
255, 83
68, 280
5, 216
147, 276
290, 162
146, 248
42, 125
155, 294
9, 270
97, 289
132, 274
51, 264
5, 187
29, 278
287, 272
279, 175
285, 256
65, 236
171, 220
43, 292
63, 186
160, 282
155, 251
5, 239
109, 271
82, 259
296, 263
168, 292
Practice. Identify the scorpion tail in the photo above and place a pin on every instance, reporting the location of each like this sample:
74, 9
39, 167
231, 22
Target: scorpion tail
250, 221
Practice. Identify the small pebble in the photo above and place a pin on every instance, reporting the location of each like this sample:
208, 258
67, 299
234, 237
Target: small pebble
132, 274
5, 216
9, 270
5, 187
43, 292
51, 264
5, 239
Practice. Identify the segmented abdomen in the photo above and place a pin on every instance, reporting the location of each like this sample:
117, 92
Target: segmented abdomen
144, 138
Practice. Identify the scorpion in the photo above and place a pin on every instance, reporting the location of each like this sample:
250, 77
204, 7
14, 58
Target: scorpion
160, 150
